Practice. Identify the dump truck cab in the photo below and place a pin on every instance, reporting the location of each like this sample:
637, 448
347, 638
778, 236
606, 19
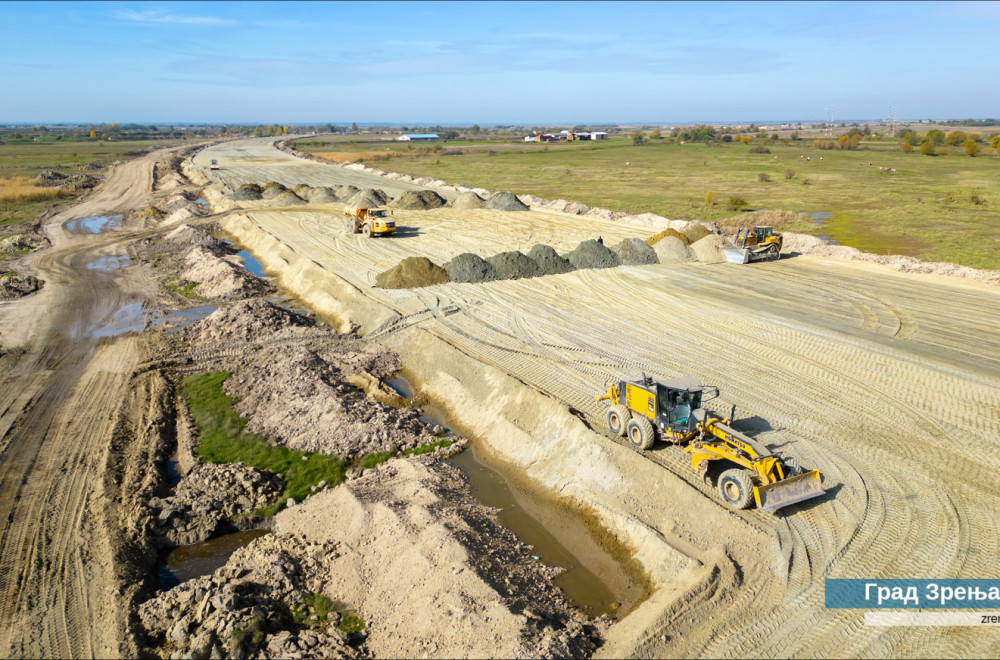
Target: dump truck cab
372, 221
214, 165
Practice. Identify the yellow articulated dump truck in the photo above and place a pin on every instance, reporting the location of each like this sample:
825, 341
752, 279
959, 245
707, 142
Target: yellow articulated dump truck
744, 470
371, 221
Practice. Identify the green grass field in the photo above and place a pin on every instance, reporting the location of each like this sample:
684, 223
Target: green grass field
941, 208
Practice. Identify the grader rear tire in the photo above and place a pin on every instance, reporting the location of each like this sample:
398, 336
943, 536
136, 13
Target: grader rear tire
618, 417
640, 433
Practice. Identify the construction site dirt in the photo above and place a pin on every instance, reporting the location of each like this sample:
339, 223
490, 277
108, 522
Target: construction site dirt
886, 381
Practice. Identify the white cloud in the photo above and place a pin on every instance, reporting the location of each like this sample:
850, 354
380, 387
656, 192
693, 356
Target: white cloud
160, 17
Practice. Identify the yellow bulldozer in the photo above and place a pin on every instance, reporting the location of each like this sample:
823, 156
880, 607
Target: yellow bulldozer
744, 470
753, 244
371, 221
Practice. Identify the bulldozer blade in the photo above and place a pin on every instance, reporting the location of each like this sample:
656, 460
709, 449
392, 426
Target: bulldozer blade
789, 491
734, 255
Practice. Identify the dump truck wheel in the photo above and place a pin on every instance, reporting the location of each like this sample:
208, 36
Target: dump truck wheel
640, 433
736, 488
618, 417
367, 231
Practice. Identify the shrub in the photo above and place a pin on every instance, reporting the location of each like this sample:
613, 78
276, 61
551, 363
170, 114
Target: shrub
710, 198
927, 148
763, 177
759, 149
976, 199
789, 174
905, 147
805, 181
735, 203
971, 147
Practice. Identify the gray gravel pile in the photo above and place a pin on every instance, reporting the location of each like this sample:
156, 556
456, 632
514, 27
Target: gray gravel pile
548, 260
505, 201
272, 190
469, 200
468, 267
591, 254
513, 265
422, 200
635, 252
368, 198
248, 192
344, 193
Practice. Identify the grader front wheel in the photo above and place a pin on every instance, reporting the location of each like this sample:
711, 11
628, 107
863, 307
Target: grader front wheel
618, 417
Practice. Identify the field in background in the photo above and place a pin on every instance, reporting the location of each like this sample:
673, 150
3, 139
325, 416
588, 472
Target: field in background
941, 208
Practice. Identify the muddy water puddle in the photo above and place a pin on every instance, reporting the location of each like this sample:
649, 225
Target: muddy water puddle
94, 224
179, 318
819, 218
108, 263
127, 318
593, 580
191, 561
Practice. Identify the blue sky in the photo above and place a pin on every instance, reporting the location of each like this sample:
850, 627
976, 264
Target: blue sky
496, 63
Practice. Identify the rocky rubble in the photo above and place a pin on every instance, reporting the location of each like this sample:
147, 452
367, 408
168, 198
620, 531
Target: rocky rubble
255, 606
246, 321
22, 242
15, 286
208, 500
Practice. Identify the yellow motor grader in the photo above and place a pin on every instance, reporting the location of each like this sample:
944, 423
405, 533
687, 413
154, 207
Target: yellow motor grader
747, 472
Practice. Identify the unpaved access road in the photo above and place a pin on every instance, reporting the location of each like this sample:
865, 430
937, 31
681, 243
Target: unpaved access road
888, 383
63, 374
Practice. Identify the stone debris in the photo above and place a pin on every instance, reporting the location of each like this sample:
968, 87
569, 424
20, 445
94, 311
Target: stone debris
16, 286
469, 267
591, 254
548, 260
635, 252
514, 265
418, 201
505, 201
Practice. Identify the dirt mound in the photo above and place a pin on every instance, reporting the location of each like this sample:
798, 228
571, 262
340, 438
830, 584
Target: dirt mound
591, 254
344, 193
243, 609
272, 190
548, 260
410, 273
246, 321
368, 198
656, 238
288, 198
672, 250
419, 201
514, 265
490, 598
706, 250
505, 201
303, 190
469, 267
635, 252
150, 213
15, 286
303, 400
249, 192
186, 237
220, 279
324, 195
696, 232
469, 200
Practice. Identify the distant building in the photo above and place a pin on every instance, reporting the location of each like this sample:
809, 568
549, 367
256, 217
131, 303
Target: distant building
599, 135
418, 136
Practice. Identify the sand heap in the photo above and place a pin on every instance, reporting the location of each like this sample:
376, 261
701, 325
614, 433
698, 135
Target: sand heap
672, 250
303, 190
344, 193
505, 201
288, 198
635, 252
468, 267
548, 260
323, 195
419, 201
696, 232
272, 189
368, 198
707, 251
246, 321
591, 254
514, 265
411, 273
469, 200
656, 238
248, 192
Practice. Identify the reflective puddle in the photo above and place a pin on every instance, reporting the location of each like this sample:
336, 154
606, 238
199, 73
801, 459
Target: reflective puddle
109, 263
128, 318
177, 319
94, 224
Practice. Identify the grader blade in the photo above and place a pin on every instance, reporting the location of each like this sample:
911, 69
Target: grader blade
789, 491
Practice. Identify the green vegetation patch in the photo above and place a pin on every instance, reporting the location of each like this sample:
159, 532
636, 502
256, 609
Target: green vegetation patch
316, 611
